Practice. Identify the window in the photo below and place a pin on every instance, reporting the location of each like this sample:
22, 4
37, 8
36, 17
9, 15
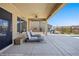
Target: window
21, 25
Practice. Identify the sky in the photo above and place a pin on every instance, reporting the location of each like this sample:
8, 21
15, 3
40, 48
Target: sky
67, 16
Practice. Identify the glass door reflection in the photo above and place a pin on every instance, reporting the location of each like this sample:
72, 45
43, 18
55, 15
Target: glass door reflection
3, 27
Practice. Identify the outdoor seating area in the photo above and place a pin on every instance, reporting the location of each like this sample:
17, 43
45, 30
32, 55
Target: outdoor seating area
34, 37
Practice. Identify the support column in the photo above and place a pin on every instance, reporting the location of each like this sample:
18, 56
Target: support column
46, 27
28, 25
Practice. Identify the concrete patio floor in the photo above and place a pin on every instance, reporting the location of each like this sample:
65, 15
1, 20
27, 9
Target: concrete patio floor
53, 45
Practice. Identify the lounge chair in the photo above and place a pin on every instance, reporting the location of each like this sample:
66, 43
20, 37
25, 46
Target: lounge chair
34, 38
34, 35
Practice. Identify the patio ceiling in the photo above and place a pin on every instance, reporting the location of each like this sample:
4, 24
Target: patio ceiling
37, 10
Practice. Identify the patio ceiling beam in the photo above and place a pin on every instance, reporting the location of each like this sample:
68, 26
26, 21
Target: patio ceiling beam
37, 19
56, 8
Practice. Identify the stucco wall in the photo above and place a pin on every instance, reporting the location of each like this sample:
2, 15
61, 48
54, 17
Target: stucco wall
15, 12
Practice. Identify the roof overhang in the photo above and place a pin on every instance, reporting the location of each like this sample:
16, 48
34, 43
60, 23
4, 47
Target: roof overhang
39, 11
56, 9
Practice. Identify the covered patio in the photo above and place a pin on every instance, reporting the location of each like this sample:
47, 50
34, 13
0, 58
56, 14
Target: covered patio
23, 17
35, 18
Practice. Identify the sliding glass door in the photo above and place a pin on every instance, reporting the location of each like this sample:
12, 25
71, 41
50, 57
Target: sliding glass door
5, 28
